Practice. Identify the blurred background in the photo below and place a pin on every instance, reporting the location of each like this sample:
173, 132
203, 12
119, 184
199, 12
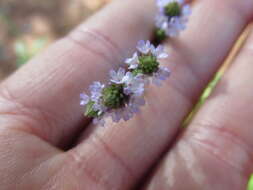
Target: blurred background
28, 26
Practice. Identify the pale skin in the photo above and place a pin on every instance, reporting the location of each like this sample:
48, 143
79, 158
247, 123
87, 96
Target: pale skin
46, 143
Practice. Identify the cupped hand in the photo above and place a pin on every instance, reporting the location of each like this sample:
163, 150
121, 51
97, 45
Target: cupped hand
47, 144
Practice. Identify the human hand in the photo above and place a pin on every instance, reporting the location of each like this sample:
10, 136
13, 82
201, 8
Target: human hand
46, 143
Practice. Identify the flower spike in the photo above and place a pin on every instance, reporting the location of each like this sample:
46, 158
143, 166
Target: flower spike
123, 96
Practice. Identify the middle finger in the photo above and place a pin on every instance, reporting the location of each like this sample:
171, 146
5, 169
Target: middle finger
131, 148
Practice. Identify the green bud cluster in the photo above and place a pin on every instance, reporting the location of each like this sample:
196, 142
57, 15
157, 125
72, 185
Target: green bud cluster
113, 96
137, 71
160, 35
148, 64
172, 9
90, 112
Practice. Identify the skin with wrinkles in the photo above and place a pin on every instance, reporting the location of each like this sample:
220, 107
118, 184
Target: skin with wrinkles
47, 144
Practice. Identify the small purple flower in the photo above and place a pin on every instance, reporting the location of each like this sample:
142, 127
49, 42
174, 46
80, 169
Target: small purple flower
120, 114
96, 94
84, 99
147, 48
159, 52
144, 47
135, 103
130, 109
162, 74
99, 121
172, 25
134, 85
117, 77
133, 61
96, 90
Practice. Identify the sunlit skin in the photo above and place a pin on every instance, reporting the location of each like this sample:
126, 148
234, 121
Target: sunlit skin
46, 143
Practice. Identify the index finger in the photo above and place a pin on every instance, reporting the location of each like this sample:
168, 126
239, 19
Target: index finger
43, 96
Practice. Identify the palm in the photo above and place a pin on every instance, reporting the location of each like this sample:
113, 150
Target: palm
46, 143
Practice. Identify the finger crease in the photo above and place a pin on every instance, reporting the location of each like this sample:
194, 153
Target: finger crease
229, 138
80, 164
110, 50
115, 157
25, 114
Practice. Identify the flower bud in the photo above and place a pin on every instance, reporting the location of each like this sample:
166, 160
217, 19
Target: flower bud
172, 9
148, 64
90, 112
113, 96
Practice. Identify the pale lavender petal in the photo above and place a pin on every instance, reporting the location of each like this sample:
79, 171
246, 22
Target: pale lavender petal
159, 52
134, 85
140, 44
159, 49
134, 104
160, 3
144, 47
127, 78
95, 97
174, 27
121, 72
139, 90
162, 55
96, 107
116, 116
153, 50
117, 77
163, 73
99, 121
96, 87
181, 2
84, 99
83, 103
113, 74
161, 21
135, 109
163, 3
133, 61
127, 90
186, 10
127, 115
133, 66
